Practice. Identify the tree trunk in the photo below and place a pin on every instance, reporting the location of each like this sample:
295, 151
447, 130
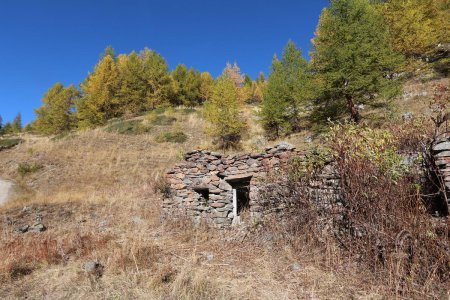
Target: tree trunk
354, 112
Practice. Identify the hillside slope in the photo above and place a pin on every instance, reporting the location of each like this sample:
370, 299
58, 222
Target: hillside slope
96, 192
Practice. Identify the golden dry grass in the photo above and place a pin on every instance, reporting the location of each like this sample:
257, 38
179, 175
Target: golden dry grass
95, 193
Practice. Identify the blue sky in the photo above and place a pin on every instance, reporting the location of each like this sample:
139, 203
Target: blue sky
48, 41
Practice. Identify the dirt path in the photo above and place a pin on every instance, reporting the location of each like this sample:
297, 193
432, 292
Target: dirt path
5, 190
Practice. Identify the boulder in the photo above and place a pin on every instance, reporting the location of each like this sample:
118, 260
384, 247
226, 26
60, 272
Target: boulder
284, 146
94, 269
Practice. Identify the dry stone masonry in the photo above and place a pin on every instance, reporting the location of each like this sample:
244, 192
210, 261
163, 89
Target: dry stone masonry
441, 154
224, 190
219, 188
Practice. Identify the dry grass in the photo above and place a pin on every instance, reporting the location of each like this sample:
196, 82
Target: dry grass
95, 193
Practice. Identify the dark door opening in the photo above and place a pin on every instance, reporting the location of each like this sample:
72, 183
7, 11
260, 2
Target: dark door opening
242, 196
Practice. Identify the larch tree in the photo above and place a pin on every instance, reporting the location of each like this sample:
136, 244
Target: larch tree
257, 93
288, 91
233, 72
157, 78
133, 86
100, 101
222, 112
353, 57
416, 25
261, 77
206, 86
7, 128
56, 115
187, 86
17, 123
109, 50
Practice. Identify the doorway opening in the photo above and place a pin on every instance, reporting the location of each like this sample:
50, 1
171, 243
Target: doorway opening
241, 198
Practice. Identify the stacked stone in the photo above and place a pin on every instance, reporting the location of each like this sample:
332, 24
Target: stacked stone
270, 198
200, 186
325, 188
441, 154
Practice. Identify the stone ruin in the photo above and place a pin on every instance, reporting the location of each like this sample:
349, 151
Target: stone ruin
224, 190
440, 149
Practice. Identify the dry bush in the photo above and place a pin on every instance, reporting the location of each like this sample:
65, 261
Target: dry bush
413, 135
389, 230
383, 225
386, 226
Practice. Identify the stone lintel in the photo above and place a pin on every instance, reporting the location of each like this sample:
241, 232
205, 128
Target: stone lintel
239, 177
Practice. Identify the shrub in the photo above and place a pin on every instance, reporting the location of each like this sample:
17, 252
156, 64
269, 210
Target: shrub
381, 221
172, 137
389, 229
162, 120
162, 186
350, 141
128, 127
313, 160
9, 143
25, 168
159, 110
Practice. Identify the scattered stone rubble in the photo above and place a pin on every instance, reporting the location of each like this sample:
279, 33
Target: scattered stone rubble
202, 186
35, 227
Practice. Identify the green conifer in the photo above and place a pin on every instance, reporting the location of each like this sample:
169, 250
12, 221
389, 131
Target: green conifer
353, 57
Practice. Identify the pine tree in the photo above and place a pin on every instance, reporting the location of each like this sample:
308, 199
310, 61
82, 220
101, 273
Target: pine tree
353, 57
288, 90
17, 124
56, 115
1, 123
100, 101
222, 112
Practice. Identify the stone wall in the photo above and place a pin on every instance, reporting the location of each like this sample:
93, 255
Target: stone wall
202, 187
275, 199
441, 153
